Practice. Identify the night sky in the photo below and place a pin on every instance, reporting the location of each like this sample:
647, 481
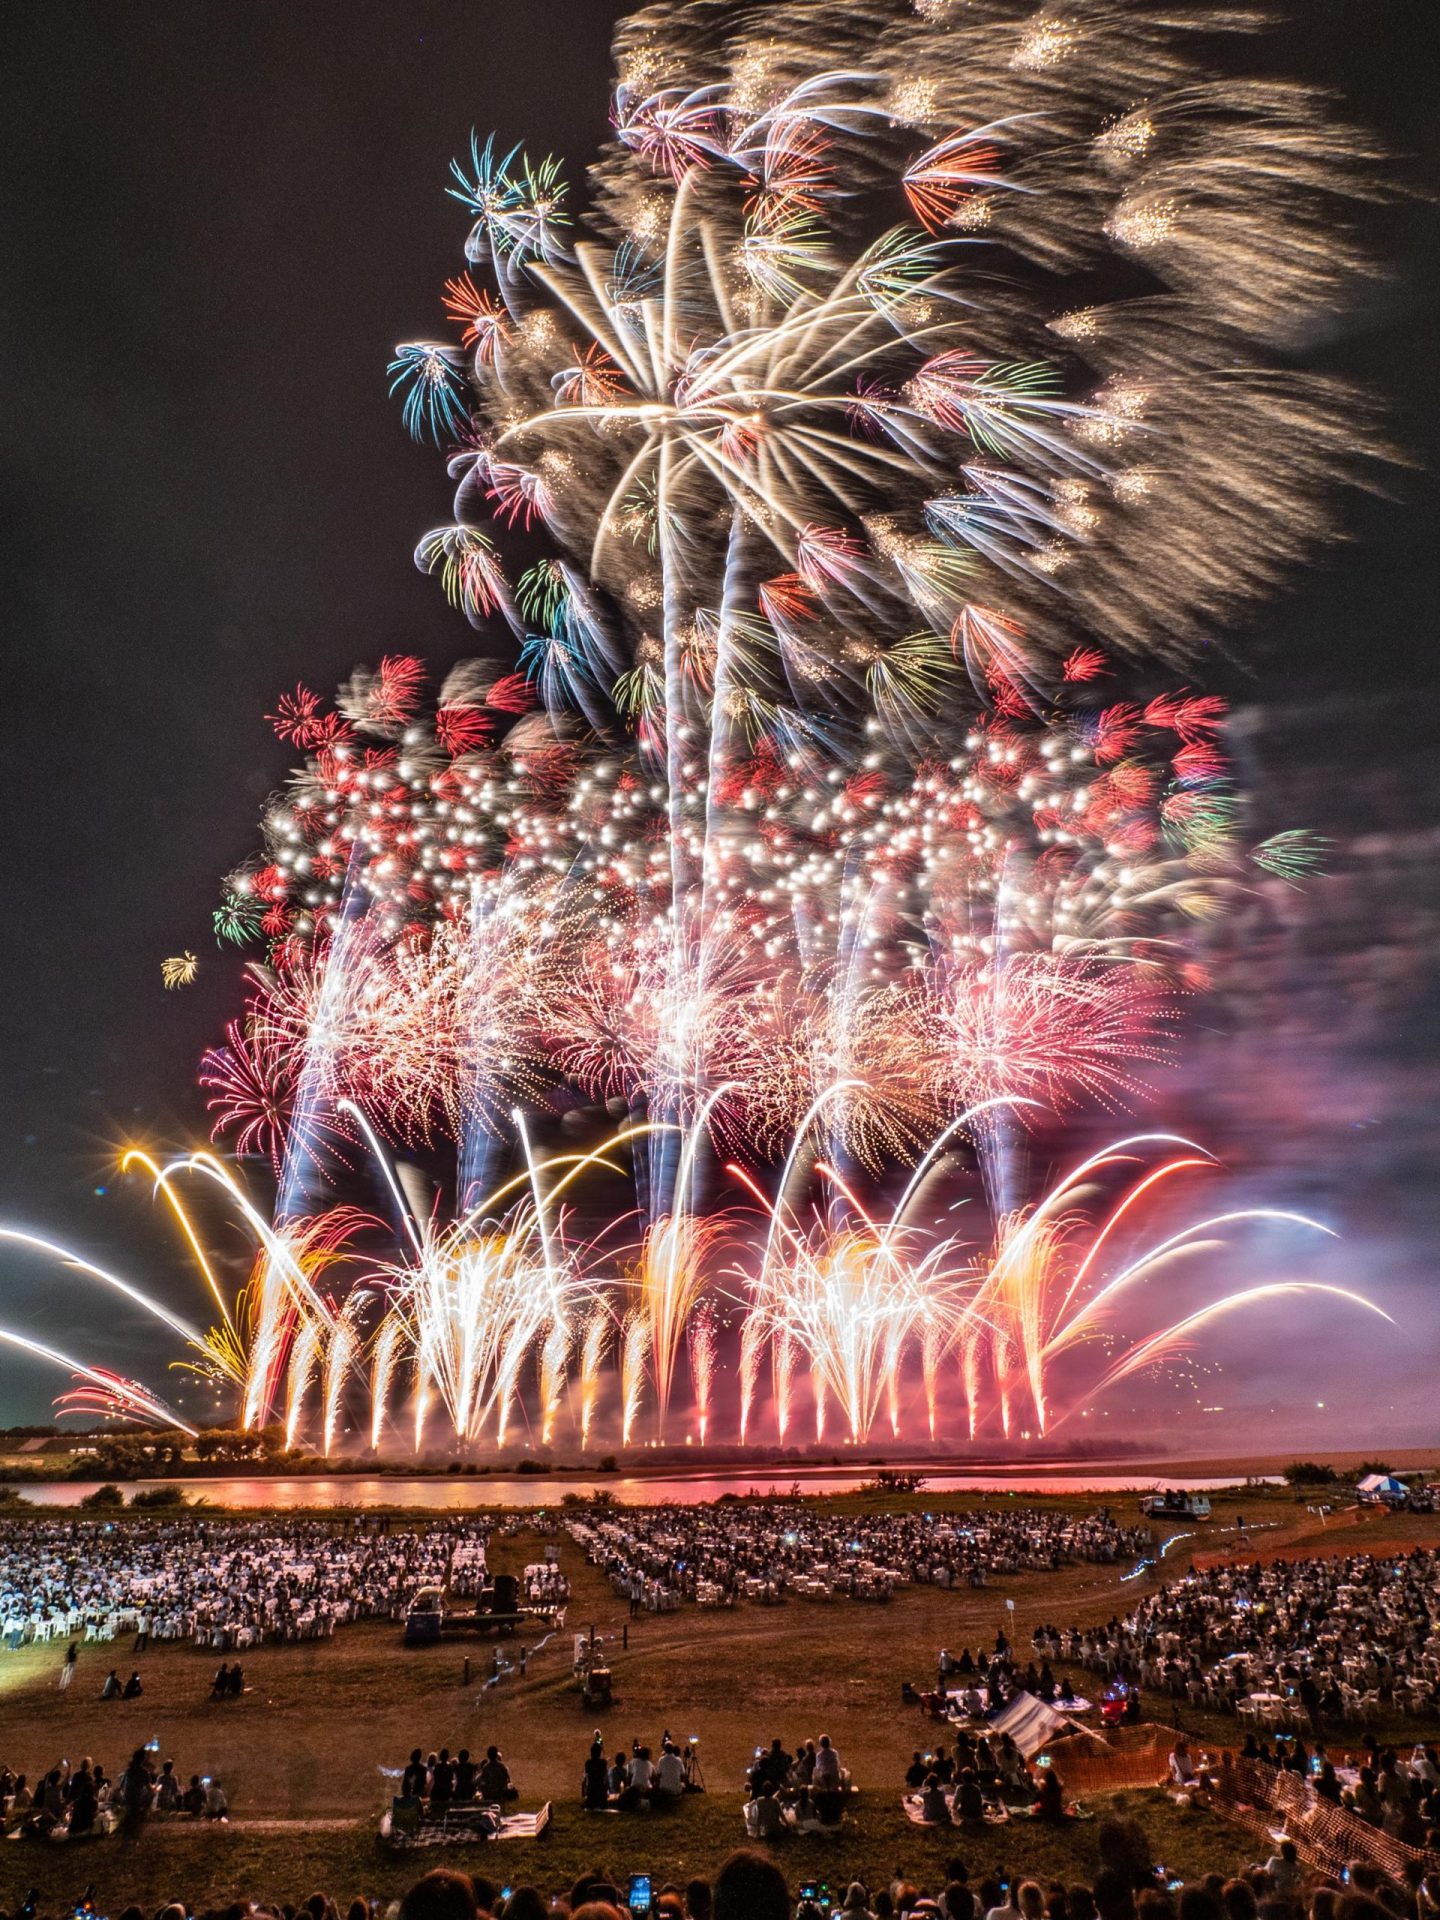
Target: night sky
218, 218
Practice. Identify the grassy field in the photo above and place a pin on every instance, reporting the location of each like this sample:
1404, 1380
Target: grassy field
301, 1754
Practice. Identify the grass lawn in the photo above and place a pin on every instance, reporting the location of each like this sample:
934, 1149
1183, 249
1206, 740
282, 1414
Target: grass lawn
301, 1753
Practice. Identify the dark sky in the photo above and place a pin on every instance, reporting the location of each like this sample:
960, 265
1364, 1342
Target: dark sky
218, 217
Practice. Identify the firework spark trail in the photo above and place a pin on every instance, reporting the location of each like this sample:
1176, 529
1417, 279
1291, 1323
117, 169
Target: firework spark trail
385, 1357
342, 1351
304, 1356
702, 1371
554, 1363
484, 1304
598, 1329
634, 1361
752, 1349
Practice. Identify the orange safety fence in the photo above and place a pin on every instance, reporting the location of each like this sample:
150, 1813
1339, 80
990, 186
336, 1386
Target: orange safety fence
1138, 1758
1271, 1800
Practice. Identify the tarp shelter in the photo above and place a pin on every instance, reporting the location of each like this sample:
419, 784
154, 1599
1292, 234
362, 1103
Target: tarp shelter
1382, 1486
1029, 1723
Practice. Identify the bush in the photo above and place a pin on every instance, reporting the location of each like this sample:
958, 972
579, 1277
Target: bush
1373, 1466
1310, 1473
153, 1498
534, 1466
608, 1463
103, 1500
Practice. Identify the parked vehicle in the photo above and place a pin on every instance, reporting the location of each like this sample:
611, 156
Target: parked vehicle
1175, 1503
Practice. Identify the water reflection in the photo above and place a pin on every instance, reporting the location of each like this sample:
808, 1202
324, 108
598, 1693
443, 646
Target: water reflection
631, 1490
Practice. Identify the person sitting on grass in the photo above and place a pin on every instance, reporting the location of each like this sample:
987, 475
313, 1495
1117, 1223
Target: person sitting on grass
217, 1807
969, 1800
669, 1781
167, 1789
934, 1807
1050, 1802
765, 1818
467, 1777
638, 1775
192, 1801
827, 1771
495, 1782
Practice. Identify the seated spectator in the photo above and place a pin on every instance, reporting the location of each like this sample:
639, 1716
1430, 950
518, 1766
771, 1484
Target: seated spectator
934, 1807
1284, 1870
969, 1800
699, 1901
441, 1895
467, 1777
495, 1782
1050, 1805
826, 1771
669, 1780
638, 1776
132, 1689
750, 1887
525, 1903
765, 1816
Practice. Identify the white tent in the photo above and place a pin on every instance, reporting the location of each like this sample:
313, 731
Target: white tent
1029, 1723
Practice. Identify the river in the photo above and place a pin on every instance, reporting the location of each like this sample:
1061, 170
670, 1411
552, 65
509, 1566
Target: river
463, 1492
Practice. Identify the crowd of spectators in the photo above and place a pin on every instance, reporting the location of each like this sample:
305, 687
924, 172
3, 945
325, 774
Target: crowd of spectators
654, 1778
224, 1584
768, 1551
750, 1886
1392, 1791
977, 1781
439, 1782
73, 1802
803, 1792
1297, 1643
